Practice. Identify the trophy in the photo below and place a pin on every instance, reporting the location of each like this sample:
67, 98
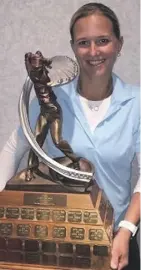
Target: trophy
53, 215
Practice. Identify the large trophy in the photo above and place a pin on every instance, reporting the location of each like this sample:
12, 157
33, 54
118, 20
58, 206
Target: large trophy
53, 215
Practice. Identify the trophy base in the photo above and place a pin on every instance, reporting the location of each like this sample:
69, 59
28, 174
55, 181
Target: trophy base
43, 228
45, 181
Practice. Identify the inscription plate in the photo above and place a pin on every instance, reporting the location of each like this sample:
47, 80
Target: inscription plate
23, 229
6, 229
100, 250
77, 233
43, 214
45, 199
58, 215
96, 234
41, 231
90, 217
27, 213
1, 212
75, 216
59, 232
12, 212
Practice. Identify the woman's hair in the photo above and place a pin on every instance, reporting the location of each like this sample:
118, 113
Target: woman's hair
92, 8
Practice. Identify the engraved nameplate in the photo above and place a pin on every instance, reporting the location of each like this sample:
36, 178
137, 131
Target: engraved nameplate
77, 233
12, 212
42, 214
23, 229
6, 229
74, 216
45, 199
90, 217
41, 231
96, 234
59, 232
27, 213
58, 215
1, 212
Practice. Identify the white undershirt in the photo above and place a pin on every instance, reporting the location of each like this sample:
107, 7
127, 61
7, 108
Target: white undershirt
95, 112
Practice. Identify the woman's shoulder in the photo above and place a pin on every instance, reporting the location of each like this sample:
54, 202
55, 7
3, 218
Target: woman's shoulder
134, 89
131, 90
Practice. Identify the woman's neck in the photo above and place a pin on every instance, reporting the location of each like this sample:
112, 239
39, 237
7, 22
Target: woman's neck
95, 89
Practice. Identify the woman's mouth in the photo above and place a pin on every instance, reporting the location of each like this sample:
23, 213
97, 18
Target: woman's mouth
96, 62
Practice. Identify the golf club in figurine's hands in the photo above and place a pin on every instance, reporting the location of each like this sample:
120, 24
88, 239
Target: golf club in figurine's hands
45, 73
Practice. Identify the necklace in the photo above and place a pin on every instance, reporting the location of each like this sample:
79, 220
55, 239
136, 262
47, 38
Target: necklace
94, 105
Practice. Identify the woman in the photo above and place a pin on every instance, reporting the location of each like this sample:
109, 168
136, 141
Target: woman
104, 112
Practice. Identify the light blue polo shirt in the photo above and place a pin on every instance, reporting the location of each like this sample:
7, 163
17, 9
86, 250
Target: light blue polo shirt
111, 146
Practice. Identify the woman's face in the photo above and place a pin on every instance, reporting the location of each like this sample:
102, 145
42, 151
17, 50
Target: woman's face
95, 45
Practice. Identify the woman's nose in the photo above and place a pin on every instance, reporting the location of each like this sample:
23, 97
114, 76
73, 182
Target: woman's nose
93, 49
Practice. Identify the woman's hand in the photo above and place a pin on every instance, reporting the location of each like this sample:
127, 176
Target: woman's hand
120, 249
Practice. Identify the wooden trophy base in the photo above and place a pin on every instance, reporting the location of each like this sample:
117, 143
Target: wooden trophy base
54, 230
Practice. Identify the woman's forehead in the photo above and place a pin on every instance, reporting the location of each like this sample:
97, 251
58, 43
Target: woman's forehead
96, 24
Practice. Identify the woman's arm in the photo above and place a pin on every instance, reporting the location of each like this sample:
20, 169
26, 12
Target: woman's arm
11, 155
120, 247
16, 146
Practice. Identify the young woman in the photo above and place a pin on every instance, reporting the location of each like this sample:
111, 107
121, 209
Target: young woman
103, 111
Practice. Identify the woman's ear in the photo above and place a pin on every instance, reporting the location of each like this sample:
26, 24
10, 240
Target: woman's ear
121, 41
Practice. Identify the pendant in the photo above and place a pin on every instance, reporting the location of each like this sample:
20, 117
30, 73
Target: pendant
96, 108
93, 108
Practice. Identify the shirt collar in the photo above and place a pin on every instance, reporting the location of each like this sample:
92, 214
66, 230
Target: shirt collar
122, 92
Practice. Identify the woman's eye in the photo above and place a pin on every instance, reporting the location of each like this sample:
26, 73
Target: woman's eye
83, 43
102, 41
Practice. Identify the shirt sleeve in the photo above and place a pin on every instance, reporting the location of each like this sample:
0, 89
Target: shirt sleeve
15, 148
138, 184
11, 155
137, 139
